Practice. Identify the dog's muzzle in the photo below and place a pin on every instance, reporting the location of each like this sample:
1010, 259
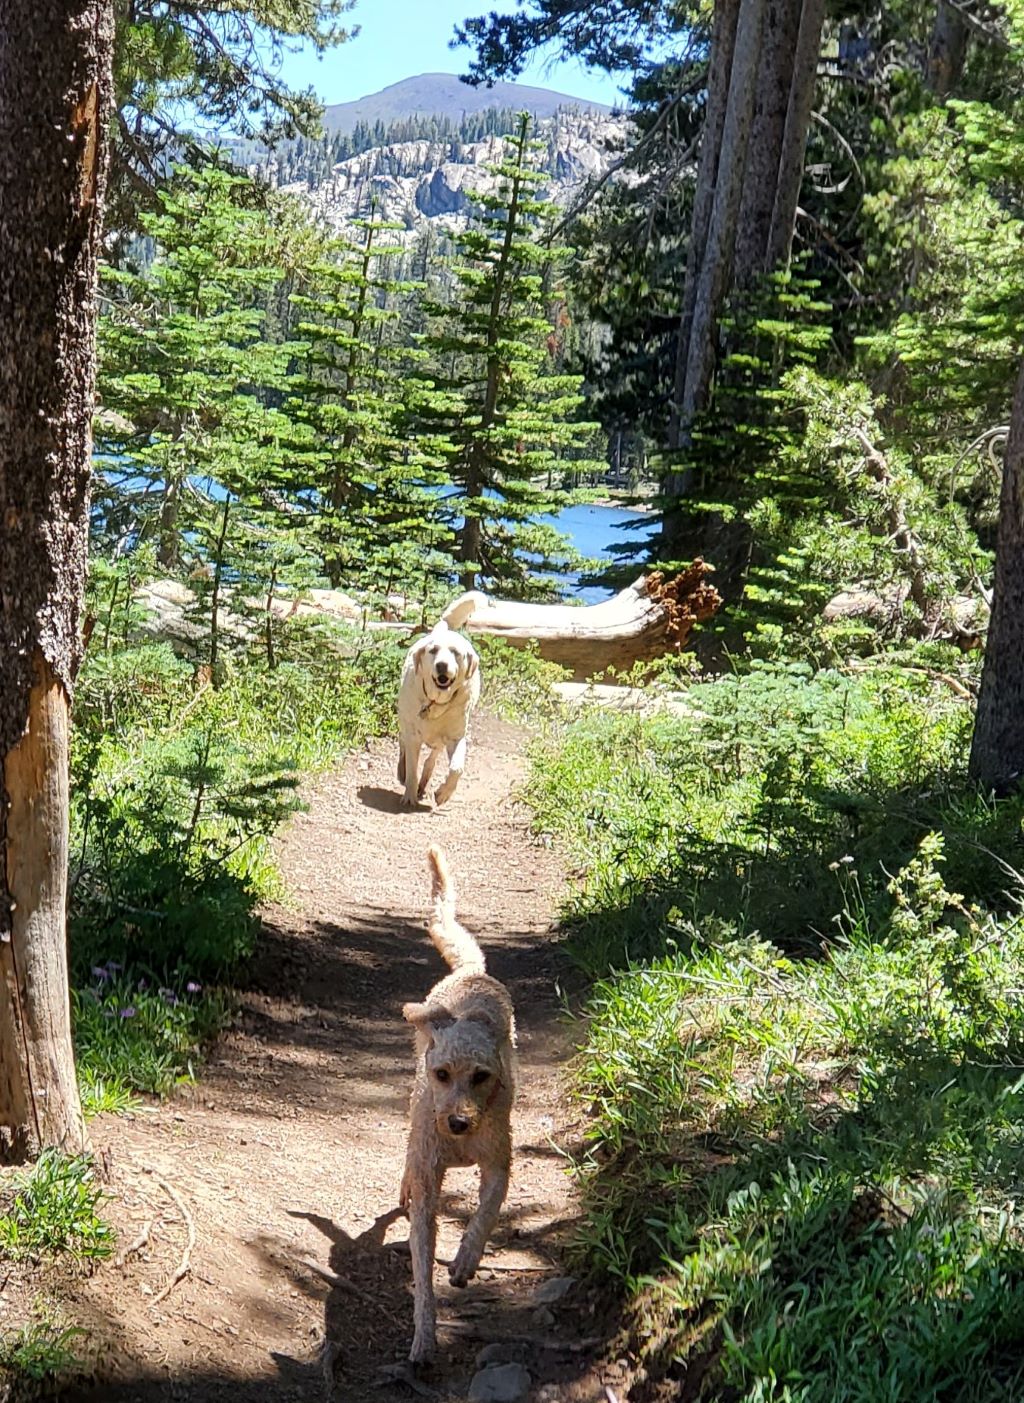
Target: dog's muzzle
443, 679
458, 1125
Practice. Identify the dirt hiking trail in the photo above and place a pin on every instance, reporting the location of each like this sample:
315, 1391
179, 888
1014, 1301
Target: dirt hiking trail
290, 1148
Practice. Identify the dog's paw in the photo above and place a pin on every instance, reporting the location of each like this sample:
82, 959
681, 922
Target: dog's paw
463, 1269
409, 801
445, 792
424, 1347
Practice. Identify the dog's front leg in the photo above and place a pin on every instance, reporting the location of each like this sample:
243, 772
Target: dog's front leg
456, 764
428, 770
408, 767
424, 1196
493, 1188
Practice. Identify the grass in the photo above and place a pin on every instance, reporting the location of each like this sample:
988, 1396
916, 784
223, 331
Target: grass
37, 1356
803, 1056
134, 1034
54, 1208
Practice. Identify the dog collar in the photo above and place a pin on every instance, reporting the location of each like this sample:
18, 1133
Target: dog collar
431, 702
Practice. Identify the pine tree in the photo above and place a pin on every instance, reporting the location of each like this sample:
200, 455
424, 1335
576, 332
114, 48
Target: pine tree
378, 521
193, 441
508, 417
182, 354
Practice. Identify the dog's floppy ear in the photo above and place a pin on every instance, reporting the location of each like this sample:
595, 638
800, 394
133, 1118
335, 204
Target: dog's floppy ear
427, 1019
472, 663
419, 651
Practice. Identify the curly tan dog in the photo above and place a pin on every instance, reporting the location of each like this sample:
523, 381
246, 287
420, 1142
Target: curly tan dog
461, 1102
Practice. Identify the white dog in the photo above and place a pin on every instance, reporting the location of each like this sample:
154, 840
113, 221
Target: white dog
439, 688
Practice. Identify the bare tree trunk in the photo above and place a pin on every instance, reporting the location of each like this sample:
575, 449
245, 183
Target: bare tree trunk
55, 91
723, 39
713, 282
774, 82
947, 49
168, 536
794, 142
218, 575
470, 537
997, 751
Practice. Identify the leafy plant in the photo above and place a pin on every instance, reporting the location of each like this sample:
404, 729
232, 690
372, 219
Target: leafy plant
55, 1208
39, 1353
800, 1060
133, 1034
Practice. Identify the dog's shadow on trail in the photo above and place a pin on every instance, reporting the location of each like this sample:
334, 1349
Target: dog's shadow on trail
368, 1312
386, 801
368, 1309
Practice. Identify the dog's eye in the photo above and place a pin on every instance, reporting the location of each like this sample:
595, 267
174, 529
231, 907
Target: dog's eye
443, 1074
480, 1076
433, 651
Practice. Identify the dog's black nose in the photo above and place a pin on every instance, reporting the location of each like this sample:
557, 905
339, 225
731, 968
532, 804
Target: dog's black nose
442, 669
458, 1125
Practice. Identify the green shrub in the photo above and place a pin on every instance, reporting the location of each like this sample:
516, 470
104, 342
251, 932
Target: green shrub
55, 1208
134, 1034
517, 681
38, 1354
801, 1063
753, 808
178, 787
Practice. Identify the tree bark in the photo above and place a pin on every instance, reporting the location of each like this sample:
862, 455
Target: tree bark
55, 94
794, 142
768, 125
723, 39
168, 535
997, 750
947, 49
712, 284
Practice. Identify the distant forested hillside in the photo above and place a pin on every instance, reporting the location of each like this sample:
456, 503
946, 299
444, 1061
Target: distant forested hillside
446, 95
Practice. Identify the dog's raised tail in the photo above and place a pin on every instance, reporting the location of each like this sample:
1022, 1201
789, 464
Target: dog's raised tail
463, 608
453, 942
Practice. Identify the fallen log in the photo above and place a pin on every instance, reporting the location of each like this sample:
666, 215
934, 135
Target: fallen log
959, 618
654, 616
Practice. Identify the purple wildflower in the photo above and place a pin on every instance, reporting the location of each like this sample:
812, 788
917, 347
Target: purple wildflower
193, 988
100, 973
128, 1012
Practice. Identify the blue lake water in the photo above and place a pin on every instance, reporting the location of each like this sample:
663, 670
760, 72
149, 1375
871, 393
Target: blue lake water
596, 532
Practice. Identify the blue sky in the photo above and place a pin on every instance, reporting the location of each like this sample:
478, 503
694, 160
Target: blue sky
401, 38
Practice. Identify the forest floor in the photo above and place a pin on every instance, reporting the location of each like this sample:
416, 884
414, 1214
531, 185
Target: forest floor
289, 1149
